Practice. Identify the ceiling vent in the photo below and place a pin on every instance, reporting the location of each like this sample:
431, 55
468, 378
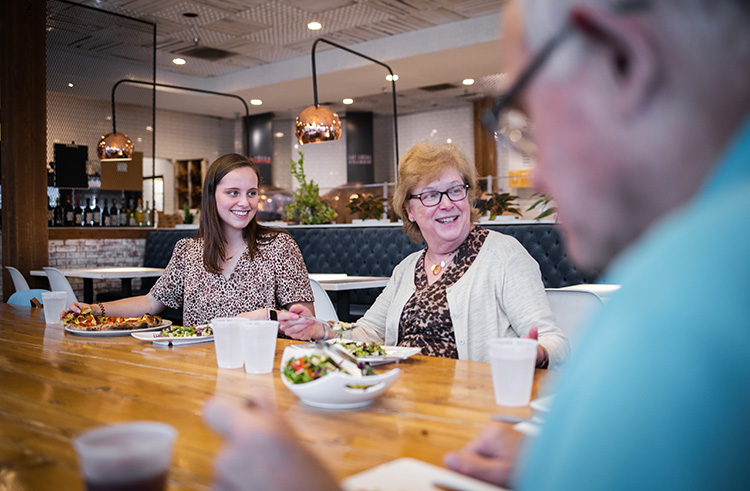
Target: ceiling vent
205, 53
438, 87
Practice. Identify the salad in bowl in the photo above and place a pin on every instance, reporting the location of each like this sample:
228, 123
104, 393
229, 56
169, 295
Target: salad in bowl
318, 379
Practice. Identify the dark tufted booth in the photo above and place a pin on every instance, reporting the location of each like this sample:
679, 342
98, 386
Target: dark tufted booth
375, 251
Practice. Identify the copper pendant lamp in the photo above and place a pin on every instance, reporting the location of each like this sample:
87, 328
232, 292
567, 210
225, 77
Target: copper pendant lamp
115, 146
318, 123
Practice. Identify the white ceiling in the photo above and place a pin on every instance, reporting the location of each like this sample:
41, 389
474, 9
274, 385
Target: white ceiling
267, 45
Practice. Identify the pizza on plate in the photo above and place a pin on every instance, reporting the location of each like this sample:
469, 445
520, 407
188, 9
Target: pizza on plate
87, 321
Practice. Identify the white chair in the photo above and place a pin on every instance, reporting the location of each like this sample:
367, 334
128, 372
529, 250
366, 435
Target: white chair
572, 309
59, 283
324, 308
18, 280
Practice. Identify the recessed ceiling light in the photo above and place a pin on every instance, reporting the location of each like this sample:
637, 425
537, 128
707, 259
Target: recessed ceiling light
389, 78
468, 81
279, 134
179, 61
256, 102
315, 26
348, 101
70, 84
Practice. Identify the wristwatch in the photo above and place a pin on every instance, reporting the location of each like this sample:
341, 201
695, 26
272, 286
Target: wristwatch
273, 315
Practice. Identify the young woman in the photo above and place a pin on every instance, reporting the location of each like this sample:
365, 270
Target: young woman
233, 267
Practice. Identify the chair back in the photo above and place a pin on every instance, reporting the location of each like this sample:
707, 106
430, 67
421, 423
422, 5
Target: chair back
23, 297
572, 308
59, 283
18, 280
323, 306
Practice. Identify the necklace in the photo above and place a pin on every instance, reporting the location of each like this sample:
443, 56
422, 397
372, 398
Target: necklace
232, 256
436, 268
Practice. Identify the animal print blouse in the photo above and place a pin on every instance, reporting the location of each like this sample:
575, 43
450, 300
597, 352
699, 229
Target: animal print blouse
275, 277
426, 321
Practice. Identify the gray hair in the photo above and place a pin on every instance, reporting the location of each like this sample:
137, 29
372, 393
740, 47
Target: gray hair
711, 29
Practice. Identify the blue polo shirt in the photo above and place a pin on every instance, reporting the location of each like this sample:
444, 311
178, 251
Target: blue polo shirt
657, 395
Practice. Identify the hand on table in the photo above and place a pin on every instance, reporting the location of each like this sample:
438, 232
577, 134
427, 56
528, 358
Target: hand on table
542, 357
297, 327
262, 451
489, 457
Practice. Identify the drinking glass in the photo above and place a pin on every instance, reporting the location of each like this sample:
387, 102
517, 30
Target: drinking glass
512, 361
228, 341
54, 303
259, 345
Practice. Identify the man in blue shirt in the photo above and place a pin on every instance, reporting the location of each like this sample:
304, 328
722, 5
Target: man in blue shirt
640, 112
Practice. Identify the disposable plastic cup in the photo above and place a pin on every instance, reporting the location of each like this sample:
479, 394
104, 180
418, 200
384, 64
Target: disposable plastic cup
54, 303
228, 341
259, 345
126, 457
512, 361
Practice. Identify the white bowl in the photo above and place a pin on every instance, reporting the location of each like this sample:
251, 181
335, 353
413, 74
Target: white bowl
332, 391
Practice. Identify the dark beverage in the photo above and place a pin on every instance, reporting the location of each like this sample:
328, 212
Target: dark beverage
50, 214
154, 483
88, 214
78, 217
114, 219
124, 213
97, 219
105, 215
68, 214
59, 214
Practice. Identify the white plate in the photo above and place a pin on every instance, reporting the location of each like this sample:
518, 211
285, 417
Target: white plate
106, 334
414, 475
542, 404
392, 354
154, 336
332, 391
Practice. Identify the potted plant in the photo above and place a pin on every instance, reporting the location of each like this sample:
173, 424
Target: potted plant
500, 204
369, 207
543, 202
307, 207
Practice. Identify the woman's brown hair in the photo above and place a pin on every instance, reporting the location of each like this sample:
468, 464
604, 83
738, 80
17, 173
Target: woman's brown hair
424, 163
211, 230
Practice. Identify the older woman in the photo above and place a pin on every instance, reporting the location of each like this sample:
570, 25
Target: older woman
467, 286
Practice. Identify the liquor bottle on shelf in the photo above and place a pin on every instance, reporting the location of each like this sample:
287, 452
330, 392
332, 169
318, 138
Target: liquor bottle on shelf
59, 214
78, 217
147, 216
50, 214
97, 214
131, 215
139, 213
69, 214
105, 215
88, 214
124, 214
114, 219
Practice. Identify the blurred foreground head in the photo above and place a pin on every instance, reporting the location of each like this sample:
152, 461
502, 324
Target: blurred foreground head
631, 108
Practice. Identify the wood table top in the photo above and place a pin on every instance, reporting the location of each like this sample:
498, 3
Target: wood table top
56, 385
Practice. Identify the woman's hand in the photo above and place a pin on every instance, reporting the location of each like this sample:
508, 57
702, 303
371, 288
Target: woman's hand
542, 357
261, 451
76, 307
297, 327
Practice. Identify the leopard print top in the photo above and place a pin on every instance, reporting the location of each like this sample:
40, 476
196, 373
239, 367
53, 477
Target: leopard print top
426, 321
275, 277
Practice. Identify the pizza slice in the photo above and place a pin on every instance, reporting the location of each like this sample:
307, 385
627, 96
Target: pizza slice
87, 321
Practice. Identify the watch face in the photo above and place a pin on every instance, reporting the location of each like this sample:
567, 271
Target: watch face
273, 315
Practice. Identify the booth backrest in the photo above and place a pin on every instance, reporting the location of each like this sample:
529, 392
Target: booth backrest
375, 251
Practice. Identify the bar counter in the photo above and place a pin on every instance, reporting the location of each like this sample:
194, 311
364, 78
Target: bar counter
56, 385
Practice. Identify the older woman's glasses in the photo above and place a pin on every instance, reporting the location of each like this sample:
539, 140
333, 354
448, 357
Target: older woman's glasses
432, 198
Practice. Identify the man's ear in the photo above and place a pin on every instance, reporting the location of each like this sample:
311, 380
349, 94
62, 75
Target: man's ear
632, 57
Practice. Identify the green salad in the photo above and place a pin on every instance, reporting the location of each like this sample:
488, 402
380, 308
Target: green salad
186, 331
308, 368
362, 349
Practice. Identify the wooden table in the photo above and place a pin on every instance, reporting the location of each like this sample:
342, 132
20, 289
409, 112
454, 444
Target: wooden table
56, 385
125, 274
343, 284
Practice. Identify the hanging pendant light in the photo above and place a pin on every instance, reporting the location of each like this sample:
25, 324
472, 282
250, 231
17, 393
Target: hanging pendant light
115, 146
317, 124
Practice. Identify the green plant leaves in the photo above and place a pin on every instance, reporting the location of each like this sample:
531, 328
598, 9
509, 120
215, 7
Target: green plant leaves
307, 207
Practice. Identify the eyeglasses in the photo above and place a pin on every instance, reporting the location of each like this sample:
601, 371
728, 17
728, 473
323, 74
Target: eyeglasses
433, 198
516, 129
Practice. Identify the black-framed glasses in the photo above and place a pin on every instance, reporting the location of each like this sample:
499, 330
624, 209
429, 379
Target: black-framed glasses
516, 129
433, 198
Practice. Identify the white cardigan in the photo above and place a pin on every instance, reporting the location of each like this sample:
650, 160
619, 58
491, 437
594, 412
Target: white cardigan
500, 295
